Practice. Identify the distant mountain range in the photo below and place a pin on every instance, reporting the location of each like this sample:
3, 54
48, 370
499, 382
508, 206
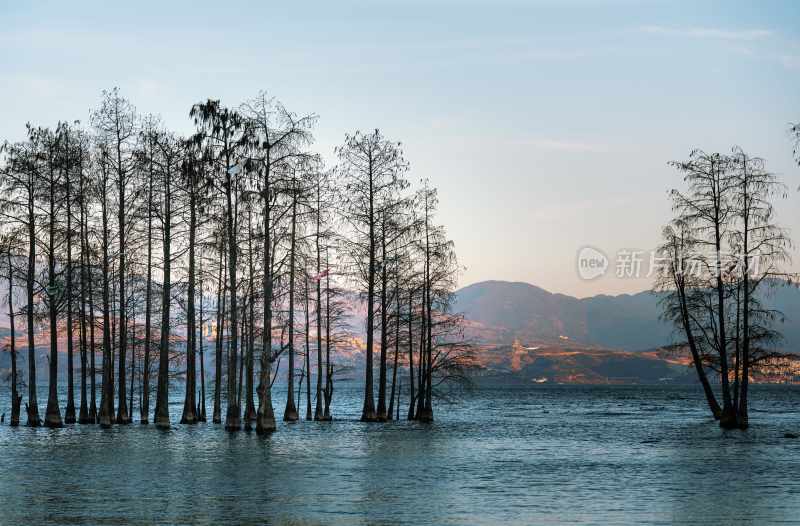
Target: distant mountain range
501, 312
527, 335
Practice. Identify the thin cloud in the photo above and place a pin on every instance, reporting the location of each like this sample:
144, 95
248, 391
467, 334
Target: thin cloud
747, 35
791, 62
556, 145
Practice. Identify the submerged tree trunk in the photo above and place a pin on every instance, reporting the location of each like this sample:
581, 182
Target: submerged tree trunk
250, 408
728, 415
742, 416
106, 403
161, 416
16, 398
711, 399
318, 409
83, 411
422, 369
122, 408
92, 348
265, 418
33, 405
242, 355
133, 369
328, 365
52, 416
737, 348
216, 416
368, 412
201, 413
308, 354
189, 403
389, 414
69, 413
381, 415
426, 415
233, 420
290, 412
144, 410
410, 355
113, 301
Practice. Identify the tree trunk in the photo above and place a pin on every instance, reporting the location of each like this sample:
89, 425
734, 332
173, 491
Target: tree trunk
144, 410
698, 364
189, 404
242, 356
318, 409
216, 416
389, 414
233, 416
328, 365
368, 412
33, 405
426, 415
290, 412
421, 369
250, 408
16, 398
83, 412
69, 413
410, 355
52, 416
122, 408
92, 348
105, 415
201, 414
161, 416
728, 416
384, 340
265, 418
743, 417
308, 353
133, 368
737, 348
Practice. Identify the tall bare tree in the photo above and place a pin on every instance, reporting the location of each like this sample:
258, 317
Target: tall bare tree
10, 253
117, 123
224, 134
279, 138
369, 166
21, 174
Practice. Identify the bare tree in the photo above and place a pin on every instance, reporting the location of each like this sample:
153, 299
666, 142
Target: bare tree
763, 246
707, 207
10, 253
223, 133
116, 122
21, 174
171, 155
279, 137
727, 208
369, 166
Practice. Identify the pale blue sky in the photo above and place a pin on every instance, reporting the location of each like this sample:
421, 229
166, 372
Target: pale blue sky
546, 125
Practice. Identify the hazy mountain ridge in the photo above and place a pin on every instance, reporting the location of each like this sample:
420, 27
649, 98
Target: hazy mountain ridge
501, 312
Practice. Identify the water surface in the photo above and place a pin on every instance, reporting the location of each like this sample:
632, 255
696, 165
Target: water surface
545, 455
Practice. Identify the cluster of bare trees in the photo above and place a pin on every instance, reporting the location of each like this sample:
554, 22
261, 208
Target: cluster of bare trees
721, 253
139, 250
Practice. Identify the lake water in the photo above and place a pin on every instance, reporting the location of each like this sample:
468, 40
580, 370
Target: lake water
545, 455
